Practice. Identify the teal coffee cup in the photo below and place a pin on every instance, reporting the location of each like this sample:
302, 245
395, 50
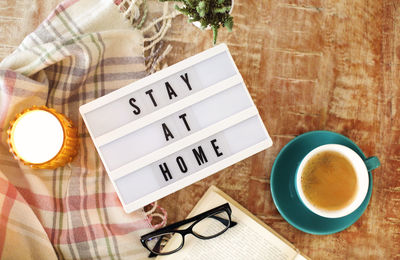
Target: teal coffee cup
284, 188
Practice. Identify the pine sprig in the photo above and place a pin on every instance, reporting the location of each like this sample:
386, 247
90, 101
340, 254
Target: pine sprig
213, 13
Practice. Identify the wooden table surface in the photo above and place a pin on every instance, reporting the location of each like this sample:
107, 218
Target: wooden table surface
309, 65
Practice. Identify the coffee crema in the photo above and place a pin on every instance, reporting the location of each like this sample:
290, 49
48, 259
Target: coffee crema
329, 181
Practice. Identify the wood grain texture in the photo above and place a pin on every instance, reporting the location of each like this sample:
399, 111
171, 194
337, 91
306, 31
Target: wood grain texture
309, 65
313, 65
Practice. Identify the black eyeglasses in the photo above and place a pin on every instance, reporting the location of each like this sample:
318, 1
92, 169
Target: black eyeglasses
207, 225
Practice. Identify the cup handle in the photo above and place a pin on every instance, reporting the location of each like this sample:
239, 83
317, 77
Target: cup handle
372, 163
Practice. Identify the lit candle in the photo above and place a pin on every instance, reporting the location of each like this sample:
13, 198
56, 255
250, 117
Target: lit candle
42, 138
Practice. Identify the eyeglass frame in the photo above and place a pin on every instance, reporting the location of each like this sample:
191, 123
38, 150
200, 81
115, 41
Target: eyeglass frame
173, 228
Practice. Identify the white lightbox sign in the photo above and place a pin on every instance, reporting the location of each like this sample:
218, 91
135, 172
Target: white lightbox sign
175, 127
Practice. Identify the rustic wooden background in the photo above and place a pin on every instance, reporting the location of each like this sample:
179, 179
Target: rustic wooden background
309, 65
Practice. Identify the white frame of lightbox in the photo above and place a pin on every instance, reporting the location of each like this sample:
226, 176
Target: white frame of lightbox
179, 144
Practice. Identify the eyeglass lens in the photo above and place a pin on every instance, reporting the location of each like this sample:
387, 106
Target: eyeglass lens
212, 226
157, 243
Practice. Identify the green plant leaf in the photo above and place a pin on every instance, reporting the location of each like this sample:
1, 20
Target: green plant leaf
183, 10
229, 23
203, 24
191, 3
222, 10
215, 34
201, 8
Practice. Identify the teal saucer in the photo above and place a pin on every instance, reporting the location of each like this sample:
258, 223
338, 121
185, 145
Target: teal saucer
284, 194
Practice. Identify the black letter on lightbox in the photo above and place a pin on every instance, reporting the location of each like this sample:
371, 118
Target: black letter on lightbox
132, 103
167, 133
150, 93
165, 171
216, 147
200, 156
170, 90
186, 79
183, 117
181, 163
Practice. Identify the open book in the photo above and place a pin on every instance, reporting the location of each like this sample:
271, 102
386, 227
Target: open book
249, 239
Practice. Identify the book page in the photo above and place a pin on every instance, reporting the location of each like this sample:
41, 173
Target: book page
249, 239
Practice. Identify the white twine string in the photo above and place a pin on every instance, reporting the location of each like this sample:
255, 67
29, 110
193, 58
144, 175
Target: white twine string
136, 11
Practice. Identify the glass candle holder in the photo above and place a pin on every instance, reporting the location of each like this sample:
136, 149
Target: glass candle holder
41, 138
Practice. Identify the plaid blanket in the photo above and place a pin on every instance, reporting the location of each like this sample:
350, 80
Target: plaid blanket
82, 51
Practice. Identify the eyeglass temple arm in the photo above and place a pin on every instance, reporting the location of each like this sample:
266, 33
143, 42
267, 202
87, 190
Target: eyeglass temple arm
151, 255
224, 221
183, 222
156, 246
180, 223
